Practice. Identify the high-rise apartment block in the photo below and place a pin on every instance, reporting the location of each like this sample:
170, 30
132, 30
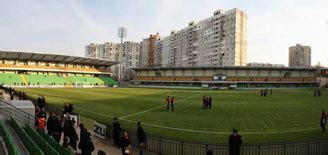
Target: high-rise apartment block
299, 56
147, 51
111, 51
220, 40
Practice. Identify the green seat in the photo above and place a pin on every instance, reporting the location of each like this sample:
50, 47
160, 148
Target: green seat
85, 80
10, 79
108, 81
42, 79
27, 141
11, 147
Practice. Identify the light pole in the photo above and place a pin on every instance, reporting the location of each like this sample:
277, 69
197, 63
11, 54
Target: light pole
121, 34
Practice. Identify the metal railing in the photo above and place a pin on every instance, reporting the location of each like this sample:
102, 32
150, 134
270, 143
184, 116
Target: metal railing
22, 117
167, 146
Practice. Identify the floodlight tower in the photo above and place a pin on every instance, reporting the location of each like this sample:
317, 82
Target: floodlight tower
121, 34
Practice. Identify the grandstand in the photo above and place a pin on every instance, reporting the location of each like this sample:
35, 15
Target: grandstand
21, 69
19, 136
229, 77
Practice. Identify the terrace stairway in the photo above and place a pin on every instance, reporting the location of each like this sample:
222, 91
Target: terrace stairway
23, 79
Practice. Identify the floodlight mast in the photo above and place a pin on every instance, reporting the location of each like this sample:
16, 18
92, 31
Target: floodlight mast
121, 34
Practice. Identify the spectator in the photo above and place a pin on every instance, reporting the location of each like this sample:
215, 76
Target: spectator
323, 121
41, 124
87, 145
172, 103
125, 144
83, 134
42, 113
50, 123
23, 96
66, 144
71, 133
43, 101
116, 132
203, 100
235, 142
141, 138
12, 95
20, 95
168, 103
38, 102
57, 129
209, 102
65, 109
36, 115
83, 131
70, 109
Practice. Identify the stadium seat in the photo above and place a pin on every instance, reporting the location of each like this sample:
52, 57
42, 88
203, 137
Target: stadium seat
11, 147
108, 81
42, 79
44, 145
54, 144
27, 141
10, 79
85, 80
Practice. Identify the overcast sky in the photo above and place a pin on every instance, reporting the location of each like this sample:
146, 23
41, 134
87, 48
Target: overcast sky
66, 26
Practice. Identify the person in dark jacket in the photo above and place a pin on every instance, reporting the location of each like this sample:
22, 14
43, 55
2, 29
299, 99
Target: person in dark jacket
83, 131
43, 113
116, 131
235, 142
209, 102
57, 129
168, 103
323, 121
125, 144
87, 146
50, 123
203, 101
141, 134
43, 101
172, 103
23, 96
69, 131
83, 134
38, 102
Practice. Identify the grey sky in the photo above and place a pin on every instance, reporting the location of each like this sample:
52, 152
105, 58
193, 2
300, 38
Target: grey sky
66, 26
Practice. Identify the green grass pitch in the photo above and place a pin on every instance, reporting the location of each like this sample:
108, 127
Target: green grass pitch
283, 116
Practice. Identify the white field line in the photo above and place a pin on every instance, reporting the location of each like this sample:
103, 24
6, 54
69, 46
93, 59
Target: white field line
141, 112
201, 131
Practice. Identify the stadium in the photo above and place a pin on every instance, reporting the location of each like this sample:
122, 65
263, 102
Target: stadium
285, 122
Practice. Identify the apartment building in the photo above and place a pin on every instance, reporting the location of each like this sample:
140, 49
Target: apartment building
147, 50
220, 40
111, 51
299, 56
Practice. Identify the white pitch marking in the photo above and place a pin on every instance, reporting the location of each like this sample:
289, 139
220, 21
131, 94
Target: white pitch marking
141, 112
